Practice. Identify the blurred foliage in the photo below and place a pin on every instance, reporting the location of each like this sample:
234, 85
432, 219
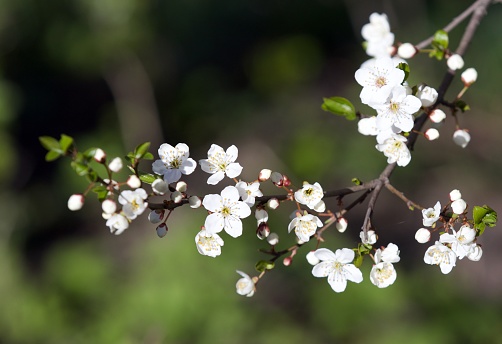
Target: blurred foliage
250, 73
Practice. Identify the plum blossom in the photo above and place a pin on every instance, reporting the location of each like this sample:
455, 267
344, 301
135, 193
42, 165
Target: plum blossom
249, 192
455, 195
377, 35
378, 79
458, 206
115, 165
427, 95
437, 116
337, 267
460, 242
76, 202
305, 226
475, 253
469, 76
173, 162
431, 215
133, 202
118, 223
383, 273
441, 255
423, 235
245, 286
311, 196
208, 244
395, 149
226, 212
220, 163
455, 62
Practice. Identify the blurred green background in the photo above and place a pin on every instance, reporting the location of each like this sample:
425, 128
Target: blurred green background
114, 73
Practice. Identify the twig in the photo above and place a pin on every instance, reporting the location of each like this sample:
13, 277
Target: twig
410, 204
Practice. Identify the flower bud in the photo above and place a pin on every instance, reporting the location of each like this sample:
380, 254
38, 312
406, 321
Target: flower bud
341, 224
194, 202
109, 206
312, 258
469, 76
160, 187
458, 206
76, 202
115, 165
406, 50
264, 175
320, 207
372, 237
99, 155
475, 253
455, 62
134, 182
455, 195
156, 216
181, 186
162, 230
437, 116
262, 231
273, 239
176, 196
285, 180
427, 95
461, 137
261, 215
423, 235
287, 261
431, 134
277, 179
273, 203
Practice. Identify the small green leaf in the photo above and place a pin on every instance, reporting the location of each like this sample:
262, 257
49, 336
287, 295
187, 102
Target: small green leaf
405, 68
483, 216
148, 156
141, 150
356, 181
460, 104
65, 143
438, 54
80, 169
358, 261
339, 106
89, 153
52, 155
50, 143
101, 191
263, 265
440, 40
147, 177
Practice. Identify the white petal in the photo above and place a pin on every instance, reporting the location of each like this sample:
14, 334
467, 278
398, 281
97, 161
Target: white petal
353, 274
231, 193
212, 202
216, 178
345, 255
233, 226
337, 281
325, 254
188, 166
172, 175
322, 269
233, 170
232, 153
214, 223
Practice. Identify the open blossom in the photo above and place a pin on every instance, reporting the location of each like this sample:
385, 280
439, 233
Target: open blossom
226, 212
311, 196
378, 79
441, 255
305, 226
383, 273
431, 215
174, 161
377, 35
337, 267
390, 254
245, 286
220, 163
133, 202
118, 223
395, 149
397, 110
208, 244
249, 192
460, 242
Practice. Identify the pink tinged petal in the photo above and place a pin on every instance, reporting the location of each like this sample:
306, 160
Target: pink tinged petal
212, 202
158, 167
323, 269
172, 176
344, 255
352, 273
188, 166
325, 255
233, 226
337, 281
232, 153
233, 170
230, 193
216, 178
214, 223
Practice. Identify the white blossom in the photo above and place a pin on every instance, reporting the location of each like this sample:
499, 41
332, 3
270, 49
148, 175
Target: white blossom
245, 286
133, 181
423, 235
431, 134
458, 206
378, 80
305, 226
475, 253
460, 242
115, 165
431, 215
220, 163
390, 254
383, 274
337, 267
469, 76
461, 137
109, 206
118, 223
398, 110
133, 202
310, 195
208, 244
427, 95
76, 202
249, 192
395, 149
377, 35
173, 162
455, 62
455, 195
226, 212
437, 116
312, 259
439, 254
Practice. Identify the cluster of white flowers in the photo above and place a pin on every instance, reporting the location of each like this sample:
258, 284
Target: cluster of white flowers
383, 273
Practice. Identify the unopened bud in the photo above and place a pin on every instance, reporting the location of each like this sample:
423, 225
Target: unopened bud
273, 239
276, 178
181, 186
341, 224
285, 181
475, 253
287, 261
427, 95
461, 137
262, 231
115, 165
431, 134
458, 206
312, 258
454, 195
194, 202
162, 230
371, 237
469, 76
76, 202
261, 215
100, 155
160, 187
273, 203
176, 196
406, 50
109, 206
134, 182
264, 175
437, 116
455, 62
423, 235
156, 216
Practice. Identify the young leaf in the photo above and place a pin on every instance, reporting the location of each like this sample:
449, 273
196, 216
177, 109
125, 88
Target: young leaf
146, 177
405, 68
483, 216
141, 150
263, 265
440, 40
339, 106
65, 143
52, 155
50, 143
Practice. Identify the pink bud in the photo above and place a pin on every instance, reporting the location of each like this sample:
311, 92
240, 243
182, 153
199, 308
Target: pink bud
262, 231
287, 261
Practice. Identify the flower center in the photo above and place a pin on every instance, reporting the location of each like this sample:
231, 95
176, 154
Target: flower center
380, 82
226, 211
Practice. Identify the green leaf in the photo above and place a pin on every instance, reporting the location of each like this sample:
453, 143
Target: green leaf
89, 154
358, 261
483, 216
65, 143
339, 106
146, 177
438, 54
141, 150
80, 169
52, 155
263, 265
50, 143
440, 40
148, 156
101, 192
405, 68
460, 104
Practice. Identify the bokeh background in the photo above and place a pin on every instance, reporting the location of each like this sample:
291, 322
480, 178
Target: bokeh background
114, 73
